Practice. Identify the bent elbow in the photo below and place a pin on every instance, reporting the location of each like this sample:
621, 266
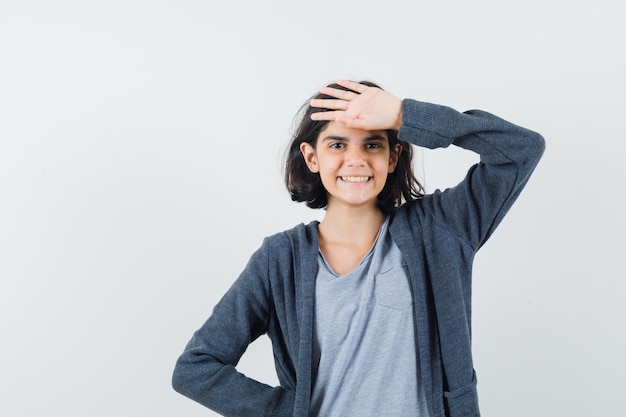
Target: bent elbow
535, 145
540, 143
181, 379
178, 381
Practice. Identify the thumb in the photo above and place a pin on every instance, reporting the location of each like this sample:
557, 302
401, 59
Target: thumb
352, 123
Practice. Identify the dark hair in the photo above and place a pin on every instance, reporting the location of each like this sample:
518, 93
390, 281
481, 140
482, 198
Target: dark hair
306, 186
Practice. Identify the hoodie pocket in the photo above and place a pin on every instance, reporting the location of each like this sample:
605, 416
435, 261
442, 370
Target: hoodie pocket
463, 401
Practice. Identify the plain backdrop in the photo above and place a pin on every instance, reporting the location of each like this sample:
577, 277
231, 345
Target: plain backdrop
141, 146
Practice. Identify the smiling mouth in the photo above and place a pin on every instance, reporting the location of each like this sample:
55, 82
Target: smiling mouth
355, 179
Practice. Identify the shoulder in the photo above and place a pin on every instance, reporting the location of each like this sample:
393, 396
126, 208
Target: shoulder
407, 219
423, 215
292, 240
276, 257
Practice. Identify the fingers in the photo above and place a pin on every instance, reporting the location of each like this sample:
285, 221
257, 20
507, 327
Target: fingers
339, 94
341, 118
329, 104
339, 104
327, 115
342, 98
356, 90
352, 85
335, 116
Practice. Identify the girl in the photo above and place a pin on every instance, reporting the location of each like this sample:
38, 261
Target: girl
369, 310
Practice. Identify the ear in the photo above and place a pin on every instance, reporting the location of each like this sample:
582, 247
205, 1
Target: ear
310, 157
394, 155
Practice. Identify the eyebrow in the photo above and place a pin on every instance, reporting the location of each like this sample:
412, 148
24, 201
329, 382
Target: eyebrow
344, 139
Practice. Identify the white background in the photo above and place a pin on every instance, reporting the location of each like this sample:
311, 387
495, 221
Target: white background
140, 166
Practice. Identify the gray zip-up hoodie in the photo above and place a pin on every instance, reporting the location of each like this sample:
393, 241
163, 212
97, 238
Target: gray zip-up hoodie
438, 236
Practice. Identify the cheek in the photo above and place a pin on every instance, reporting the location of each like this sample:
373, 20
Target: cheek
385, 164
327, 174
328, 165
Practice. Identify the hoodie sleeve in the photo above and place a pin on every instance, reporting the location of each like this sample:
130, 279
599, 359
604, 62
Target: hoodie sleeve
205, 371
508, 156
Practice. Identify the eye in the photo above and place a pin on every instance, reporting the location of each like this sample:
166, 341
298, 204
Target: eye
373, 145
336, 145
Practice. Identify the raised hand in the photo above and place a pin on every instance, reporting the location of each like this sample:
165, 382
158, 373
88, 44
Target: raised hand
367, 108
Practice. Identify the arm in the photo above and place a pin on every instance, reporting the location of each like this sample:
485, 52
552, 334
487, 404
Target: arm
508, 156
205, 372
508, 153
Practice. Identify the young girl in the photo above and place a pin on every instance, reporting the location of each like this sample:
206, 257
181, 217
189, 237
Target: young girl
369, 310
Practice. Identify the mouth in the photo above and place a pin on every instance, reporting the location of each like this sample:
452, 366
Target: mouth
355, 179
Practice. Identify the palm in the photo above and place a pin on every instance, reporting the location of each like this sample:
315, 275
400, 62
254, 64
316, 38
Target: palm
364, 107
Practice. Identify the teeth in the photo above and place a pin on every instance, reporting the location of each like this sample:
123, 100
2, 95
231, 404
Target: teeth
355, 179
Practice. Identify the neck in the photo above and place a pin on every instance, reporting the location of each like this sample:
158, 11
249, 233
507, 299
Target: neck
351, 224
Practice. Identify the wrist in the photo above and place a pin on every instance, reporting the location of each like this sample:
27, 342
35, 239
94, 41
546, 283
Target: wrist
398, 121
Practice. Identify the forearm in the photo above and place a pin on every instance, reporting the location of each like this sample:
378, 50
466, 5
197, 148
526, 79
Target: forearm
495, 139
220, 387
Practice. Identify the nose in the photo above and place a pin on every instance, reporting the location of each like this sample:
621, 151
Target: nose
355, 156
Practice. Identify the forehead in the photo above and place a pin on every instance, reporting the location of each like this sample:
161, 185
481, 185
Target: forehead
337, 130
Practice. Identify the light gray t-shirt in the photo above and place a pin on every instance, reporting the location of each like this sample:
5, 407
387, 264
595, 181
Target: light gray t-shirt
365, 359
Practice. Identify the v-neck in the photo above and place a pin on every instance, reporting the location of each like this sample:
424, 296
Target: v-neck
363, 260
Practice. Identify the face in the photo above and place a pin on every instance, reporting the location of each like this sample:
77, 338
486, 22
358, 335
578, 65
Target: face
353, 164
